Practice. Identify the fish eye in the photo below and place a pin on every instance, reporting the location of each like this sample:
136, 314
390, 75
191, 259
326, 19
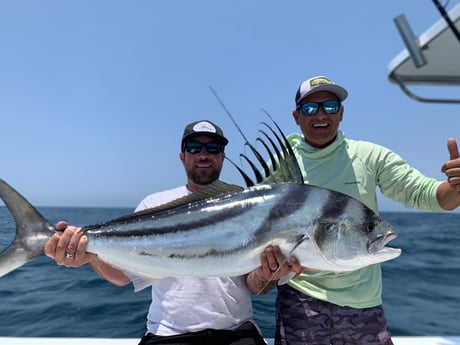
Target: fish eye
370, 227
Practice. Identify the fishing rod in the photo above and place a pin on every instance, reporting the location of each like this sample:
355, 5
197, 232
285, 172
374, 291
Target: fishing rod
444, 14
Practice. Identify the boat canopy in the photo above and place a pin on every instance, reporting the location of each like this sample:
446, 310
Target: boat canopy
431, 59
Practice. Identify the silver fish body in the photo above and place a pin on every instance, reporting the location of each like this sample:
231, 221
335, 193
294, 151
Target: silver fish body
221, 233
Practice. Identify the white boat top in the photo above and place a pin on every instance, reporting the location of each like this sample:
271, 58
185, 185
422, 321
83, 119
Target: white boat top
431, 59
425, 340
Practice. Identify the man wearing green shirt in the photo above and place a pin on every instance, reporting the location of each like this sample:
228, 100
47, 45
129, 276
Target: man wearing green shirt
320, 307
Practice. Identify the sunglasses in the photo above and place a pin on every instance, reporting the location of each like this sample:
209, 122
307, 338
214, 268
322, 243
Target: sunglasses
194, 147
311, 108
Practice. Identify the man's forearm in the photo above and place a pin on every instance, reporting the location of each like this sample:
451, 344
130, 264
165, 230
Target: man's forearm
109, 273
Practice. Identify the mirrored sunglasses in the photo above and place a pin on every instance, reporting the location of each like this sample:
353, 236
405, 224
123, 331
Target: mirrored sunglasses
194, 147
311, 108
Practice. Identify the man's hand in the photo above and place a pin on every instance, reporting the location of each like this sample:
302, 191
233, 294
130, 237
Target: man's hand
68, 246
274, 266
452, 167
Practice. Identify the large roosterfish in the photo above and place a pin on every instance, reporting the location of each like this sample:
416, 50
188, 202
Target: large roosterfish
222, 229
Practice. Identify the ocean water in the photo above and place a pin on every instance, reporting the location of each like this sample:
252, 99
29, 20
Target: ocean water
421, 291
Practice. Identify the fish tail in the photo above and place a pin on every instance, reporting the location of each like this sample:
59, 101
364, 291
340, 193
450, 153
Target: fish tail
32, 231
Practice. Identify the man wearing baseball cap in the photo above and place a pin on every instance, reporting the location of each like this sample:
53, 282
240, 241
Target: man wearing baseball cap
187, 310
321, 307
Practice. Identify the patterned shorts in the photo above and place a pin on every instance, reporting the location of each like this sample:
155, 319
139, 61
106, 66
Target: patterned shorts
303, 320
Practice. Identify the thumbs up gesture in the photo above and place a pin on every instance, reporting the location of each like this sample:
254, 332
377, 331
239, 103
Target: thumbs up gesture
452, 167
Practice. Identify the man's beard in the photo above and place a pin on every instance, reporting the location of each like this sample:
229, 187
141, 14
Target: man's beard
204, 177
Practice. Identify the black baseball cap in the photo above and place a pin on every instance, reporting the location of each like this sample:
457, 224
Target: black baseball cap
203, 127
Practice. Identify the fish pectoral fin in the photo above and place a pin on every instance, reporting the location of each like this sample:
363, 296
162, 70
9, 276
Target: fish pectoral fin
140, 281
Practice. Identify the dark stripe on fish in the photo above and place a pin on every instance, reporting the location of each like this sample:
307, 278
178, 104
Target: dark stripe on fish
108, 230
210, 253
335, 205
326, 227
284, 207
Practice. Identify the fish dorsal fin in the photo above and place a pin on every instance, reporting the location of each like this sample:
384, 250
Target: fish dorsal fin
284, 166
281, 165
212, 190
216, 188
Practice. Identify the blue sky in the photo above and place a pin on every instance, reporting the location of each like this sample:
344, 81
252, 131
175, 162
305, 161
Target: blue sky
94, 95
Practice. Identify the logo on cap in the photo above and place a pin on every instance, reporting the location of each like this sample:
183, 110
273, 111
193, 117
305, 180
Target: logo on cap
204, 127
319, 81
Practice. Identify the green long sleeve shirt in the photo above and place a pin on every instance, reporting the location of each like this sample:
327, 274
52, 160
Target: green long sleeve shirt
357, 168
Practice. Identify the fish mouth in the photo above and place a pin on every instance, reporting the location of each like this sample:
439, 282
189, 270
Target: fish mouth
377, 245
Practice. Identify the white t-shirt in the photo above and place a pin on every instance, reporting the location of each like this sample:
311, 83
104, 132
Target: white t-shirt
190, 304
